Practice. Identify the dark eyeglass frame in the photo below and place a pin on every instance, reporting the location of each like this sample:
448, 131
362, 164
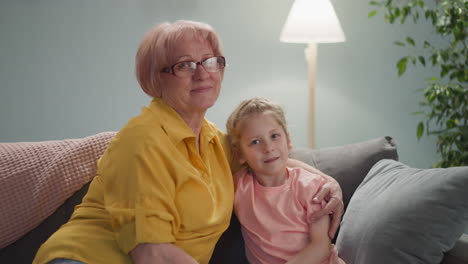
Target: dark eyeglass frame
171, 68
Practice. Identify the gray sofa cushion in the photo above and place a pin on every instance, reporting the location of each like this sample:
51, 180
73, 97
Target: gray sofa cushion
348, 164
404, 215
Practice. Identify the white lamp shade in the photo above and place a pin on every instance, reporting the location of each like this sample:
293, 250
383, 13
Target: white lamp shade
312, 21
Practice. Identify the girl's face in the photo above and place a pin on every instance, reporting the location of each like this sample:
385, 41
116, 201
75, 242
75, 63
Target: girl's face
264, 146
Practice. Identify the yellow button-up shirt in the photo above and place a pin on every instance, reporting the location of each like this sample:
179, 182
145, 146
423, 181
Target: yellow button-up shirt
152, 186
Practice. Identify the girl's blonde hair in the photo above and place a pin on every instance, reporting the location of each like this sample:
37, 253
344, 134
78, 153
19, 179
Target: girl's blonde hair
249, 108
156, 50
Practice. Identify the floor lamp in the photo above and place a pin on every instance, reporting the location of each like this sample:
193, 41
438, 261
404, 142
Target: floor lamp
312, 22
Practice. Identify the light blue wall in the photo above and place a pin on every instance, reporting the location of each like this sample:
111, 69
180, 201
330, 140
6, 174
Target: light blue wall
66, 69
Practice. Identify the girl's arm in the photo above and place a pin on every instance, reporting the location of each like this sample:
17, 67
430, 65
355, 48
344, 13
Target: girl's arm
330, 192
319, 248
150, 253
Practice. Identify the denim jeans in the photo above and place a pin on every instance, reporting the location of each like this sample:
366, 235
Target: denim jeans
65, 261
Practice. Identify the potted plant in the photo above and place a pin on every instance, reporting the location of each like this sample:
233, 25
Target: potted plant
444, 102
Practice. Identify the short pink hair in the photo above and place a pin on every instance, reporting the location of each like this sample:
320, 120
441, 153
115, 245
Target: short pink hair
157, 48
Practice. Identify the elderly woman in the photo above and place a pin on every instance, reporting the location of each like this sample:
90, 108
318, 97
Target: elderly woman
163, 192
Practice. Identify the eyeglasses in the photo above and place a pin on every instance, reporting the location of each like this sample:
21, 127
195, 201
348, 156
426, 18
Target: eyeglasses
188, 68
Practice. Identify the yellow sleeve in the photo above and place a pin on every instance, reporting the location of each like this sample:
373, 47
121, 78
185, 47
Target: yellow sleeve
139, 188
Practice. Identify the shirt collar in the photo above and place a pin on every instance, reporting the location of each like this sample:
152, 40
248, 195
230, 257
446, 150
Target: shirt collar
175, 127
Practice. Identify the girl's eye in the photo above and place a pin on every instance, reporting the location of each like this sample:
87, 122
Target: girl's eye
255, 142
276, 135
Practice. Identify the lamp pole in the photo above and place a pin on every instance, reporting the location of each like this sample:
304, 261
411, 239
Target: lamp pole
311, 57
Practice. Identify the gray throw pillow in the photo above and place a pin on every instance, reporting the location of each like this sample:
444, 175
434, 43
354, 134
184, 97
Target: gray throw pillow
400, 214
348, 164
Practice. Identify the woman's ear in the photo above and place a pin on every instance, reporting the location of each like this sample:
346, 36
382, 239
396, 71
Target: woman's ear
156, 89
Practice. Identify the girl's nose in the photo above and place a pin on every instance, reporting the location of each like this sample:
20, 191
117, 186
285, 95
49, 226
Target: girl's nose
268, 147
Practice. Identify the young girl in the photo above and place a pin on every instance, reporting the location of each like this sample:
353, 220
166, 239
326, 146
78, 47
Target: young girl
274, 202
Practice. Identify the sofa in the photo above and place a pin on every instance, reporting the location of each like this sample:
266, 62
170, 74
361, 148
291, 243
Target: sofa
393, 213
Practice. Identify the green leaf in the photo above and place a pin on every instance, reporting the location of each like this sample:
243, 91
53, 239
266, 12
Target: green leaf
421, 3
434, 59
373, 3
445, 56
454, 75
401, 65
422, 60
463, 77
427, 14
406, 10
410, 41
372, 13
420, 130
444, 71
459, 33
399, 43
431, 97
415, 17
450, 123
433, 18
396, 13
403, 18
391, 18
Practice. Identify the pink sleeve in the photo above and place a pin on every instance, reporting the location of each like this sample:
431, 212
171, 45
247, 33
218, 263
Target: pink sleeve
308, 185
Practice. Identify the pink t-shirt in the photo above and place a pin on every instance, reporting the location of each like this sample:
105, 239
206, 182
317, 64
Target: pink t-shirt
275, 220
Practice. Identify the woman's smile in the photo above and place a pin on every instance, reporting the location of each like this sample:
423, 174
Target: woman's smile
201, 89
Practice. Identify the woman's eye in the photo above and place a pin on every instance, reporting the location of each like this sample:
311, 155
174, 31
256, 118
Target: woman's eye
184, 66
210, 62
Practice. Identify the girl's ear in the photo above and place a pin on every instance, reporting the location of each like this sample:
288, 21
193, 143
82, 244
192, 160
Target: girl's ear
240, 158
238, 155
289, 141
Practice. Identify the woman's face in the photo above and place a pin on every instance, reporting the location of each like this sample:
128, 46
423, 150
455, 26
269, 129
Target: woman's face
196, 93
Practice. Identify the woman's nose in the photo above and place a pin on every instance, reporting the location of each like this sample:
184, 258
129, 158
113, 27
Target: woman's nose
200, 73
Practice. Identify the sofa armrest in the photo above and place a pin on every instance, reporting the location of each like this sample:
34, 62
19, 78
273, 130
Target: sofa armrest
36, 178
459, 253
